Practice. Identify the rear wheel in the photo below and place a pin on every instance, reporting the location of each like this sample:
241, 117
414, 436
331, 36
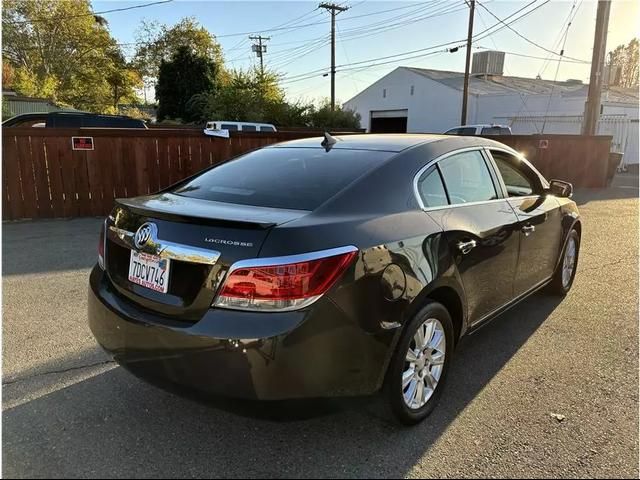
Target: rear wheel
420, 363
566, 272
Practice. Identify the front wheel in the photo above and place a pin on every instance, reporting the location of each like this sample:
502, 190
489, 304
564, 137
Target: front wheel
566, 272
420, 363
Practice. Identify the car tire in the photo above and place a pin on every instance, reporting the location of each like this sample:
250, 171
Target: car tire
434, 320
563, 280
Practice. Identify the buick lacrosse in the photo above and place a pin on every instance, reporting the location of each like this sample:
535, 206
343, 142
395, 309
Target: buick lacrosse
340, 267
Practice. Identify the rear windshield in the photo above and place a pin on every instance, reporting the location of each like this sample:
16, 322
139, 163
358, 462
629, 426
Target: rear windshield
291, 178
496, 131
461, 131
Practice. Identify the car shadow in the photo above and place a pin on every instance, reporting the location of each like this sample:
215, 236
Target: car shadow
623, 186
27, 246
112, 425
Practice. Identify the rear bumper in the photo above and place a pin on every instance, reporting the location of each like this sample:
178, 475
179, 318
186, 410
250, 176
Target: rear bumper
317, 352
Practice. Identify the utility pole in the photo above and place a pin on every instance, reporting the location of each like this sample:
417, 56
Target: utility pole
333, 8
465, 91
592, 105
260, 50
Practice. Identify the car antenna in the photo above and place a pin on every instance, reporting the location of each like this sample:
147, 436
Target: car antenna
329, 141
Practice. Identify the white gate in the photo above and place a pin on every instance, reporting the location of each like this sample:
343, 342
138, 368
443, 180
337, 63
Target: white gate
623, 130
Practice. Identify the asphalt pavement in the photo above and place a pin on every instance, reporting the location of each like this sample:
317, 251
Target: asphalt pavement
550, 389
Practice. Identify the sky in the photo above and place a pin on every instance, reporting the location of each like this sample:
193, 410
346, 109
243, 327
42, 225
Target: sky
299, 47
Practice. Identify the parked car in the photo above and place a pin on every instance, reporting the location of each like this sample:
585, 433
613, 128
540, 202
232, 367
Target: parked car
340, 268
72, 120
481, 129
240, 126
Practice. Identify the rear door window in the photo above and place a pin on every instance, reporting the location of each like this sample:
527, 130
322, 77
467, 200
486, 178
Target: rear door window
291, 178
431, 189
467, 178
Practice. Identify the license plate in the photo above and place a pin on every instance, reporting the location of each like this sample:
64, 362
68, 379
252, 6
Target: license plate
150, 271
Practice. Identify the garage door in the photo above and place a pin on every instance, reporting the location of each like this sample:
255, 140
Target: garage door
388, 121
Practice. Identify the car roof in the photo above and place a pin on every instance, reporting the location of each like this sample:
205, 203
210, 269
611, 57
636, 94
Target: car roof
391, 142
388, 142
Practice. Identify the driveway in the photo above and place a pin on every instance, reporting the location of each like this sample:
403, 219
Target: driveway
70, 412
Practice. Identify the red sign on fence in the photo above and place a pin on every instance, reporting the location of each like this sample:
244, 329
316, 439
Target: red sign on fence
82, 143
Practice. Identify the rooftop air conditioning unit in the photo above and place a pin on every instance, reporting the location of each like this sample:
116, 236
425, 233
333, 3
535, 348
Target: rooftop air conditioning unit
489, 62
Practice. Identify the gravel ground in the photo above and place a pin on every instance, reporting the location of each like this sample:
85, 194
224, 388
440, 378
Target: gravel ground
69, 412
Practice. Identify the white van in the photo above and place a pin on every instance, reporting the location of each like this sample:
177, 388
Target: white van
240, 126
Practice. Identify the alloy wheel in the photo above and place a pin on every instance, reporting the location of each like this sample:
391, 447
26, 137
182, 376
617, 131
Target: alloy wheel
569, 262
424, 363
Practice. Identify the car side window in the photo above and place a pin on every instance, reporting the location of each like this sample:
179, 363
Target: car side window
230, 127
431, 189
248, 128
467, 178
516, 180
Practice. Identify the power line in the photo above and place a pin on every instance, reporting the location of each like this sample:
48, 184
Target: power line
67, 17
520, 94
522, 36
459, 43
524, 55
556, 44
555, 78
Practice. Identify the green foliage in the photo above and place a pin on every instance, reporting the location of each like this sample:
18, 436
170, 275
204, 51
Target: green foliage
324, 118
179, 79
242, 95
60, 51
627, 57
159, 43
249, 96
134, 112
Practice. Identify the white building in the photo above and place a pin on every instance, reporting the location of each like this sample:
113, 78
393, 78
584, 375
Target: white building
420, 100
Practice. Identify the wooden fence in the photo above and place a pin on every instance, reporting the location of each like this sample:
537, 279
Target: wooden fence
44, 178
582, 160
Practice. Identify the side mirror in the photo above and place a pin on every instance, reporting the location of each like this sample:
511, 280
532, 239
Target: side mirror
560, 188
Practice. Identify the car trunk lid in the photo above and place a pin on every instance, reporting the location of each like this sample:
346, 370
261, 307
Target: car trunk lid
200, 238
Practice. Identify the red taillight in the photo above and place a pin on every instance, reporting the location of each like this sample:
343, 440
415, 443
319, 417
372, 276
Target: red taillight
101, 248
282, 286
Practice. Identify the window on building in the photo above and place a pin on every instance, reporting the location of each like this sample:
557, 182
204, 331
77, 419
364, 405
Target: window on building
384, 93
411, 89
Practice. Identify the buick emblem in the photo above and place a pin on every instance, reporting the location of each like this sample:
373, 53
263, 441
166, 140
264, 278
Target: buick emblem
144, 233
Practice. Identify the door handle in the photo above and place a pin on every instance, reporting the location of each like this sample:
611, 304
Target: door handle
528, 229
466, 247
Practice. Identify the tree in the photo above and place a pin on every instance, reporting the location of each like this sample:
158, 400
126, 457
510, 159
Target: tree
8, 74
123, 79
160, 43
627, 58
247, 96
179, 79
61, 51
324, 118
